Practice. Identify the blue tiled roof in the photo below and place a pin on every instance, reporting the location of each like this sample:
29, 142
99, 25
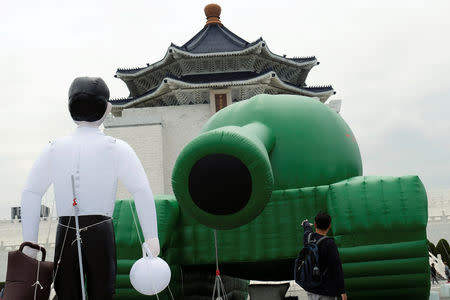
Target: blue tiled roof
123, 101
215, 38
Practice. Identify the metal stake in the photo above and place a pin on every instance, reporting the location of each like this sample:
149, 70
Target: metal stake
77, 228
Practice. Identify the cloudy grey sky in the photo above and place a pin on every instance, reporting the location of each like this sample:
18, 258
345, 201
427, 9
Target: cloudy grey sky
388, 60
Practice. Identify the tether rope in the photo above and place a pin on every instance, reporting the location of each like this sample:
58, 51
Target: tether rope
37, 278
218, 284
62, 250
140, 241
86, 227
135, 223
51, 218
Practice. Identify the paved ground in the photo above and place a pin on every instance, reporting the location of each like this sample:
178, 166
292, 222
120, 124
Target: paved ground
296, 290
437, 288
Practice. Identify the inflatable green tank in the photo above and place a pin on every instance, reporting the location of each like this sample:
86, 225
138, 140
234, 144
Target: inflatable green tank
258, 169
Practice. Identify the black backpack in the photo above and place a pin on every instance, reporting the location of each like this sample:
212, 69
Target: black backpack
306, 271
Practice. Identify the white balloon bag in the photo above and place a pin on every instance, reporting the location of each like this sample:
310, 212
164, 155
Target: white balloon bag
149, 275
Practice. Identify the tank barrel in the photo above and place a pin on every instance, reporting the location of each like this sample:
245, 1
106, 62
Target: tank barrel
223, 178
262, 132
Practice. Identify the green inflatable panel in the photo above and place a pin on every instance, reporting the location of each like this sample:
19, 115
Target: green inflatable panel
380, 229
259, 168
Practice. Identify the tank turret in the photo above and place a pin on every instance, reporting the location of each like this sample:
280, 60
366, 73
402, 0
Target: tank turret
225, 177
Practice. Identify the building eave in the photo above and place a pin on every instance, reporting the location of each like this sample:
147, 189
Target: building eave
322, 95
175, 52
308, 64
269, 78
258, 46
129, 74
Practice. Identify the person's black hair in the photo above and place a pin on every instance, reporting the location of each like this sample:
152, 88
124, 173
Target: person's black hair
322, 220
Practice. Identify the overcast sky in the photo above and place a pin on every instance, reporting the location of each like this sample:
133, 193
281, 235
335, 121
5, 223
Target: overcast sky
389, 61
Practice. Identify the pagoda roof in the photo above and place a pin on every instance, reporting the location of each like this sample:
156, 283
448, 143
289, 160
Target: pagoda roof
212, 81
215, 38
216, 57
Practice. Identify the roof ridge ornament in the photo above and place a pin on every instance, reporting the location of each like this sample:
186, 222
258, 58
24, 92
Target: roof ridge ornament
212, 12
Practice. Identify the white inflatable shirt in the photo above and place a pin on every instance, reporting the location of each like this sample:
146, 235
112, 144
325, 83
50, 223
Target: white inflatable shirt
97, 161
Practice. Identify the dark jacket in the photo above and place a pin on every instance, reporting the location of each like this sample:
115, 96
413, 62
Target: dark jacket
329, 260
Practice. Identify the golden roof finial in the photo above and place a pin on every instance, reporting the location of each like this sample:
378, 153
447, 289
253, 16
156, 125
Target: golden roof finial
212, 12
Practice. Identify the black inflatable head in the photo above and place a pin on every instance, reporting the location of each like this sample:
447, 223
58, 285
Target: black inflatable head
88, 99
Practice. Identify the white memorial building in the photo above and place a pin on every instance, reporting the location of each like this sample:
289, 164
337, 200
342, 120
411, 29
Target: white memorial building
171, 100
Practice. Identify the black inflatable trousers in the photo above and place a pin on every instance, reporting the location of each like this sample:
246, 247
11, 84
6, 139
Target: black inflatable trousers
99, 259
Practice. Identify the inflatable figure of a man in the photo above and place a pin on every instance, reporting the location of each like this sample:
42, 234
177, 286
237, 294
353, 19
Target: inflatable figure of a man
95, 162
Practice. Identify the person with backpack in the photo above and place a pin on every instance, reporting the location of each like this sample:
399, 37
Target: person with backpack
319, 268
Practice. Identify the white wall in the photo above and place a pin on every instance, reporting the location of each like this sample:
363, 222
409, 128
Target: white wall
146, 140
438, 215
158, 134
438, 203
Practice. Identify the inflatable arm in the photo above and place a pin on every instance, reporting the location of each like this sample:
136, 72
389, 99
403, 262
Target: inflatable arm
36, 185
131, 173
